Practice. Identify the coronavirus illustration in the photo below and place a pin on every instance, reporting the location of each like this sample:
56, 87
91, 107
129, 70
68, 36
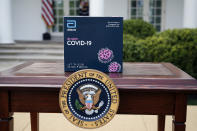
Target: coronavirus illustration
105, 55
114, 67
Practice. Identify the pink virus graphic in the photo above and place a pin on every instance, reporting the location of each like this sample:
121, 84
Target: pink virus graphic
114, 67
105, 55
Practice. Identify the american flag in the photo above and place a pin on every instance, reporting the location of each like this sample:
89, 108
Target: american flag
47, 12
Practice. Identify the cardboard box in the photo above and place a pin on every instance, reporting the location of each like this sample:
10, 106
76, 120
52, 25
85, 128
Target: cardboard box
93, 43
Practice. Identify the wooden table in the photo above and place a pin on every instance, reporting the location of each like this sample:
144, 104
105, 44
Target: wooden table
145, 88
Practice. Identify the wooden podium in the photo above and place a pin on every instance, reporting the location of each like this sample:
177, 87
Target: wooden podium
145, 88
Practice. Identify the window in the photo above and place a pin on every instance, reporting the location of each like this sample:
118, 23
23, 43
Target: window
137, 9
155, 13
58, 8
73, 7
78, 7
148, 10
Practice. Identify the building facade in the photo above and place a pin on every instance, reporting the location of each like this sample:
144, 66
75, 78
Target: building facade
21, 19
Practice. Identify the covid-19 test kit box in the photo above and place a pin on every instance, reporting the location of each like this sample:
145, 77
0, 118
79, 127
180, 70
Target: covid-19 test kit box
93, 43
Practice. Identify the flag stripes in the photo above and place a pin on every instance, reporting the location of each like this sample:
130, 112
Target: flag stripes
47, 12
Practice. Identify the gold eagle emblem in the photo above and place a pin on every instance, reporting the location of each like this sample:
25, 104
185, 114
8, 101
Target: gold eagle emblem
89, 95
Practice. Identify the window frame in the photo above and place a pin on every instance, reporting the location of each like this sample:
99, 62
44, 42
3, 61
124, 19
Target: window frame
146, 12
66, 11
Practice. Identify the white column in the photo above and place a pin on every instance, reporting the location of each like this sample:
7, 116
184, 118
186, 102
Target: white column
190, 14
5, 22
96, 7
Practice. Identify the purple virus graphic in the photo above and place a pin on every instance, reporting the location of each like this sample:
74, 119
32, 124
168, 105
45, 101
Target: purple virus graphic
114, 67
105, 55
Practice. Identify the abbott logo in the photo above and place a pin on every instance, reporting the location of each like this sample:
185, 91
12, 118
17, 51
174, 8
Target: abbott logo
71, 24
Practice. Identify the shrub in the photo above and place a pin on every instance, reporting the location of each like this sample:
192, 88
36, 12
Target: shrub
177, 46
179, 35
130, 48
138, 28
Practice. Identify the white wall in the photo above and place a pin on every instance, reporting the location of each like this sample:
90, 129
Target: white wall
28, 24
116, 8
27, 21
6, 22
190, 15
174, 14
173, 17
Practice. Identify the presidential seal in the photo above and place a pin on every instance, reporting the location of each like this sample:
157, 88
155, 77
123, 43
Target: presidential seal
89, 98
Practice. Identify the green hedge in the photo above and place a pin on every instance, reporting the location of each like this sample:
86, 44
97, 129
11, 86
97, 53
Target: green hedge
178, 46
138, 28
131, 48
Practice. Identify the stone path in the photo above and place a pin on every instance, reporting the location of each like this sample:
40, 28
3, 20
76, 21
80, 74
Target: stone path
57, 122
